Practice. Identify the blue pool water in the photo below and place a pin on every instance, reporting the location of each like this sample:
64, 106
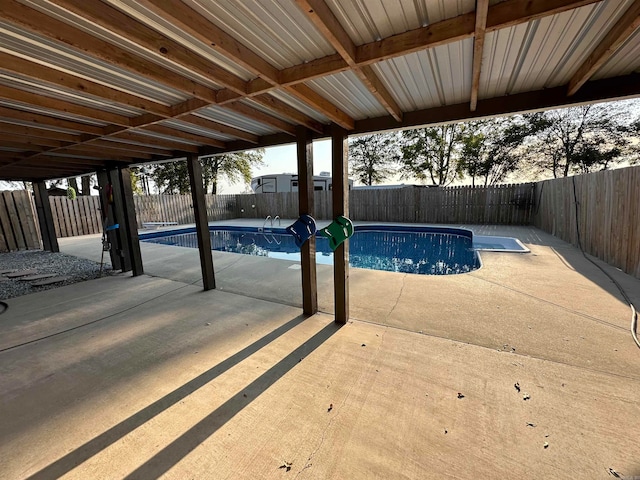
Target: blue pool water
420, 250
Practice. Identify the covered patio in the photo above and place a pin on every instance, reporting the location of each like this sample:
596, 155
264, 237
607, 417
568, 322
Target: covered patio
193, 364
146, 376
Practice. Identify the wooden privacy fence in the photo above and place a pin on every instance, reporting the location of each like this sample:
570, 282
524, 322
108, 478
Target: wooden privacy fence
179, 208
502, 204
608, 214
18, 229
72, 218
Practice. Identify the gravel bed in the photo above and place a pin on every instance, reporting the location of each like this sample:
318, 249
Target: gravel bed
77, 269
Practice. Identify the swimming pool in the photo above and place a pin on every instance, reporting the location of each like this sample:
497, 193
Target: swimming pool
418, 250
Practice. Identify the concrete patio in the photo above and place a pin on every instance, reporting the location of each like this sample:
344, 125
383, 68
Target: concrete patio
140, 377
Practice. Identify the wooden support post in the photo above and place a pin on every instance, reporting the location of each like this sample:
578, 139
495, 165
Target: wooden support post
107, 207
306, 206
45, 217
118, 213
130, 223
340, 188
202, 225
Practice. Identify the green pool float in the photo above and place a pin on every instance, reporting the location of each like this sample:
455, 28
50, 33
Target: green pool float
338, 231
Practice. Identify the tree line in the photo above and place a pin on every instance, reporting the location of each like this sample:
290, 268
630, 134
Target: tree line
555, 143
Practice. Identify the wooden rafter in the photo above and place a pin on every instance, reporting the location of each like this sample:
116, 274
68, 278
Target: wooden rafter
110, 145
50, 103
75, 83
622, 30
52, 122
210, 34
325, 21
482, 10
502, 15
11, 140
10, 128
111, 18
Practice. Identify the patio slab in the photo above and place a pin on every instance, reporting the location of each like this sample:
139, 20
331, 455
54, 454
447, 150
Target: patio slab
150, 376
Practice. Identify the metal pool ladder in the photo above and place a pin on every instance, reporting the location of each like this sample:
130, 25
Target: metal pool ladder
270, 220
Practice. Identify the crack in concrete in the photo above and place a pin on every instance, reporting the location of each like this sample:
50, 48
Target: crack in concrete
308, 463
404, 277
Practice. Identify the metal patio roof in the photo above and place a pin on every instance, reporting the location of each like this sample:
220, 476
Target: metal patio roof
85, 84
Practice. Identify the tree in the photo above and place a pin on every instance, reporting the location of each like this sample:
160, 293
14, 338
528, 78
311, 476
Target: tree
431, 153
173, 177
491, 148
234, 167
579, 139
372, 157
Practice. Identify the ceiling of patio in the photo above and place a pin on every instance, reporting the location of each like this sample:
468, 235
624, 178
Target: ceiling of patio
88, 84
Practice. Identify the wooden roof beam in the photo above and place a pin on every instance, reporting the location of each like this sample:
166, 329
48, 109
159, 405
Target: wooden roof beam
41, 24
146, 37
482, 10
50, 103
33, 70
325, 21
95, 151
25, 131
39, 120
8, 140
502, 15
115, 146
620, 32
210, 34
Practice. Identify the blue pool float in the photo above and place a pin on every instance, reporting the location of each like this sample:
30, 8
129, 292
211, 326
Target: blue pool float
302, 229
338, 231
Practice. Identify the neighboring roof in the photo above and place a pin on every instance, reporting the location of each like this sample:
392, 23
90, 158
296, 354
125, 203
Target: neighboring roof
87, 84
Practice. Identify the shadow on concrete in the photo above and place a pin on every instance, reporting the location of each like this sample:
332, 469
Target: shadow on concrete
81, 454
170, 455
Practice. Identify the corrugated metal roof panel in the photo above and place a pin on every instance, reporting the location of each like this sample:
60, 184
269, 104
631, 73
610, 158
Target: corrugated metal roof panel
52, 113
347, 92
430, 78
277, 30
78, 98
158, 23
159, 136
371, 20
109, 36
544, 53
624, 61
191, 128
234, 119
60, 57
298, 105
